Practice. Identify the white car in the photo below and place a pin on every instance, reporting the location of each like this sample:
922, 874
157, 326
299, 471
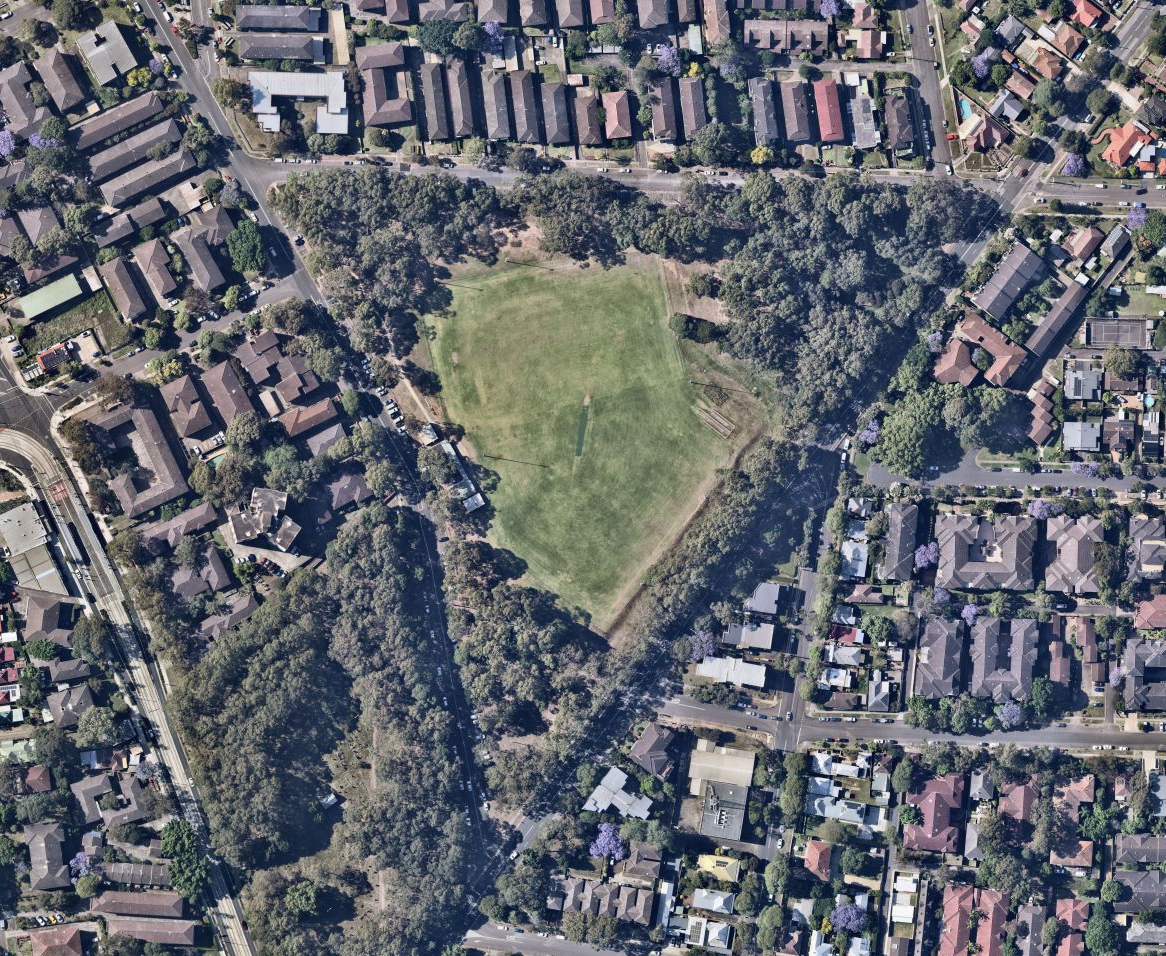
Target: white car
168, 15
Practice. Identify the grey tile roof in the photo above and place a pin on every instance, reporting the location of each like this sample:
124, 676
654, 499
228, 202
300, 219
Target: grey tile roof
795, 108
157, 480
1070, 567
110, 122
118, 276
665, 121
587, 125
556, 116
981, 554
384, 100
902, 536
461, 98
495, 105
256, 16
1003, 658
522, 95
693, 108
148, 176
1143, 891
937, 660
765, 128
59, 75
132, 150
433, 102
275, 46
1019, 269
1145, 666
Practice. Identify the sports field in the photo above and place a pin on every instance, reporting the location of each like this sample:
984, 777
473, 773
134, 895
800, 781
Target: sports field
571, 388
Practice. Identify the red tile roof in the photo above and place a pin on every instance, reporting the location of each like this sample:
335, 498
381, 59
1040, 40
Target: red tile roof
818, 854
939, 800
1073, 913
1151, 614
829, 108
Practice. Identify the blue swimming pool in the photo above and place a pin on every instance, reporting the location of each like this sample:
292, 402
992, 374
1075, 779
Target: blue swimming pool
965, 108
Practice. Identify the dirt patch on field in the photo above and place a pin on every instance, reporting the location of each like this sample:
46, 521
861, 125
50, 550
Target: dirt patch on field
675, 276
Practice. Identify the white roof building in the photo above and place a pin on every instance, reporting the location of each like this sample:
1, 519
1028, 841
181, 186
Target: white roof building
332, 117
731, 670
751, 635
611, 793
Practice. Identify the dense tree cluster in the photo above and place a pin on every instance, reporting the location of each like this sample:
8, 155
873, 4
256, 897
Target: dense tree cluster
376, 235
261, 710
519, 652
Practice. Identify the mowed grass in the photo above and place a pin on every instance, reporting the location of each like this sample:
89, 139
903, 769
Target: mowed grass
522, 351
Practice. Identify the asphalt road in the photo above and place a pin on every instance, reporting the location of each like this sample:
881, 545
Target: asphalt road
1134, 29
924, 58
490, 938
789, 735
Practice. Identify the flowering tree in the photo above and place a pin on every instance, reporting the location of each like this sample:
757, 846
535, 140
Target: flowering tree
935, 342
870, 433
1136, 218
829, 8
157, 67
926, 555
7, 143
668, 60
1117, 676
981, 65
703, 645
1086, 469
607, 845
1009, 714
79, 865
849, 918
36, 141
969, 614
940, 596
1075, 165
493, 31
1042, 510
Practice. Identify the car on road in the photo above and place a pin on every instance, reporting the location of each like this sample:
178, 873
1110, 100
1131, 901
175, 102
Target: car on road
910, 28
447, 164
271, 252
789, 715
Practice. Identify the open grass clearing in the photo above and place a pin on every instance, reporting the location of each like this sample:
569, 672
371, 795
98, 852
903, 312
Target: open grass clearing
96, 313
522, 350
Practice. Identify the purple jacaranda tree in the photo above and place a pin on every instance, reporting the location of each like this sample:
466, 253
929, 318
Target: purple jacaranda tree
1075, 165
940, 595
935, 342
849, 918
7, 143
1117, 676
981, 65
493, 31
1136, 218
730, 63
1086, 469
37, 141
969, 614
157, 67
703, 645
79, 865
1042, 510
607, 845
870, 433
829, 8
926, 555
668, 60
1009, 714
